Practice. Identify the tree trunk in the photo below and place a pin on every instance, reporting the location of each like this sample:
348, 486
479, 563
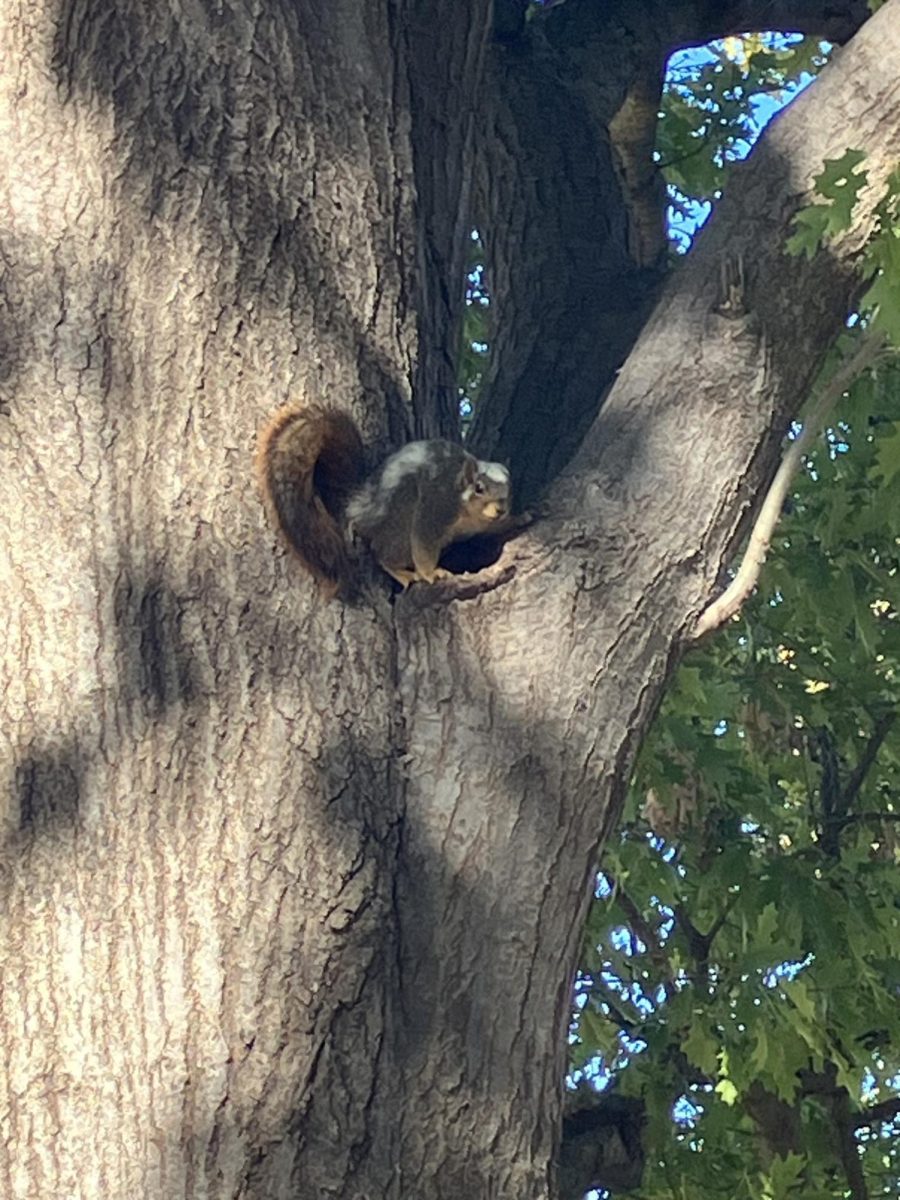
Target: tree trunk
293, 891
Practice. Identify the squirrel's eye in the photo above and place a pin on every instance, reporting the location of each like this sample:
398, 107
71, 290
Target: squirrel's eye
479, 488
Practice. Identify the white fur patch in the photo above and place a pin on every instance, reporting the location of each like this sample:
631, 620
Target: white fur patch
358, 506
404, 462
494, 471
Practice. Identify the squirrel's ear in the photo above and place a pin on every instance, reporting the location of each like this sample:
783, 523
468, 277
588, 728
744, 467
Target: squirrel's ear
469, 472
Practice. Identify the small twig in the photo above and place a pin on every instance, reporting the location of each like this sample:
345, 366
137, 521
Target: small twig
646, 933
747, 577
700, 944
720, 920
837, 801
861, 770
615, 1013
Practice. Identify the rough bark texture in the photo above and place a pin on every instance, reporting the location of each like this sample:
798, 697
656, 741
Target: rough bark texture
292, 892
205, 213
573, 224
571, 205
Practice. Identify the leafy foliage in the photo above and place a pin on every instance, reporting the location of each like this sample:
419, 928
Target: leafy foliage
839, 184
714, 105
740, 961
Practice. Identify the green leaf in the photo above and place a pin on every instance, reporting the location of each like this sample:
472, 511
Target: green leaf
784, 1174
782, 950
799, 995
838, 178
810, 227
702, 1048
839, 183
766, 926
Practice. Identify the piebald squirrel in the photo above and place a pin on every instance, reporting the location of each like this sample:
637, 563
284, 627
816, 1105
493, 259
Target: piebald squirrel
422, 498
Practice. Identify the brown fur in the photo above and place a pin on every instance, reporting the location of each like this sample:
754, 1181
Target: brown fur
309, 460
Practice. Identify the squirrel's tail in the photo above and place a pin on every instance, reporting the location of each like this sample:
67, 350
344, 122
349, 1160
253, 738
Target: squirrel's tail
309, 460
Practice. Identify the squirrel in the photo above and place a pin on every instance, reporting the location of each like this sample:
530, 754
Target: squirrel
423, 497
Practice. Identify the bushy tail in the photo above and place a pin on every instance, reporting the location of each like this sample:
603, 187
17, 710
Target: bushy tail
308, 462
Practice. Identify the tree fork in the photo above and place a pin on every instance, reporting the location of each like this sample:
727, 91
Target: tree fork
293, 894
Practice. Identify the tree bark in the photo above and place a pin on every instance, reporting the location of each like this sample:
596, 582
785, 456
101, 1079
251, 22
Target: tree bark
292, 892
573, 223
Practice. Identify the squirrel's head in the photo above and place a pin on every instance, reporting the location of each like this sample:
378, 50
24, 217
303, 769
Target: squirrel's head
485, 492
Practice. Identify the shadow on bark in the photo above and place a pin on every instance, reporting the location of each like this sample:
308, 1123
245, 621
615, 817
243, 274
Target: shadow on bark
574, 262
48, 785
158, 670
184, 160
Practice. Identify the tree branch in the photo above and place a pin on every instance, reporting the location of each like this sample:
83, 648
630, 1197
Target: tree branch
747, 577
639, 924
700, 944
573, 306
720, 920
601, 1146
858, 775
824, 751
837, 800
570, 106
885, 1110
616, 1014
848, 1150
778, 1121
724, 379
836, 1099
835, 22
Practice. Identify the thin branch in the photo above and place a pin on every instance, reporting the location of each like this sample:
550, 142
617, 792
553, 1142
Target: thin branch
837, 800
617, 1016
720, 920
704, 144
634, 915
819, 1083
837, 1101
777, 1120
858, 775
747, 577
688, 1074
646, 933
875, 1114
700, 944
848, 1149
